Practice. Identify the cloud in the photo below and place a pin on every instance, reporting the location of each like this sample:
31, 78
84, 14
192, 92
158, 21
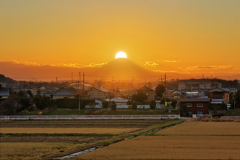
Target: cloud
150, 63
163, 71
72, 65
215, 67
24, 63
170, 61
77, 65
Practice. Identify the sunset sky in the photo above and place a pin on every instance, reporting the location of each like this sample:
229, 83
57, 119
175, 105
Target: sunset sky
183, 36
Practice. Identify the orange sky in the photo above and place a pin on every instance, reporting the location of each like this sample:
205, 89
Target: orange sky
187, 36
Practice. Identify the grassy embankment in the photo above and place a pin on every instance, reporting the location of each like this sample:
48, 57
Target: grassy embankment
60, 111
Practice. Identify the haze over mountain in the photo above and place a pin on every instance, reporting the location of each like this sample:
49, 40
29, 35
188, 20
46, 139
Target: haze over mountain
123, 67
120, 68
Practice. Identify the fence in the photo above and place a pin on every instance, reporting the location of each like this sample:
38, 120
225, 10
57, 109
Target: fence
230, 117
52, 117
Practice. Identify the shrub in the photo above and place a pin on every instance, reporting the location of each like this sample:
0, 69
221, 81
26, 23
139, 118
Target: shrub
105, 104
10, 105
134, 105
185, 111
174, 103
41, 101
129, 102
113, 106
153, 104
25, 102
72, 103
139, 97
163, 100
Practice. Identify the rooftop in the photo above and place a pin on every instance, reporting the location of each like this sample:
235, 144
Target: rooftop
194, 100
101, 89
145, 88
4, 92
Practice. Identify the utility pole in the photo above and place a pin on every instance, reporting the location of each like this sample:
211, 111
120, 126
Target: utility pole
56, 79
132, 84
78, 97
111, 89
72, 77
83, 91
161, 80
165, 91
83, 84
79, 80
145, 81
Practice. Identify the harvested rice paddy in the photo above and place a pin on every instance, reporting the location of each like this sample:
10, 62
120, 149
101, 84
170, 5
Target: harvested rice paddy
100, 123
69, 130
57, 139
23, 150
189, 140
170, 147
204, 128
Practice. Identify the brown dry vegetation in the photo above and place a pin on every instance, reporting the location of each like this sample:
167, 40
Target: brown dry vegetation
30, 143
80, 123
69, 130
204, 128
23, 150
58, 139
170, 147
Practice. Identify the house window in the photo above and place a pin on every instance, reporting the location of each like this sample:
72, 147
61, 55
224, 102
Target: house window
199, 105
189, 104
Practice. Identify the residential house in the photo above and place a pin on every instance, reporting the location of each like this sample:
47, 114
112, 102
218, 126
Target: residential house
4, 94
198, 106
180, 94
148, 91
98, 93
63, 93
191, 85
119, 101
220, 95
168, 93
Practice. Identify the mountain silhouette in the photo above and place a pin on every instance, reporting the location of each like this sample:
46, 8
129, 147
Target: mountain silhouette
122, 67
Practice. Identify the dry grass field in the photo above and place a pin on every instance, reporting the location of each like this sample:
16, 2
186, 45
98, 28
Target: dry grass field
69, 130
58, 139
170, 147
189, 140
29, 150
204, 128
43, 139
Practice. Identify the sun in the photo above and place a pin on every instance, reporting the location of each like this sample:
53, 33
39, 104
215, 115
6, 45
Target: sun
121, 55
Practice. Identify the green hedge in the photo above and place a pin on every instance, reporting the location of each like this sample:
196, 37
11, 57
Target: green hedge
72, 103
222, 106
25, 102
